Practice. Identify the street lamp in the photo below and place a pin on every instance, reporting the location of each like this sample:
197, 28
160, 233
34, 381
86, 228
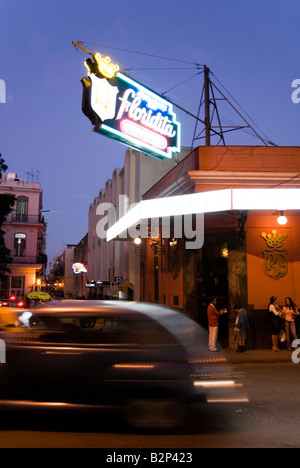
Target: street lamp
137, 241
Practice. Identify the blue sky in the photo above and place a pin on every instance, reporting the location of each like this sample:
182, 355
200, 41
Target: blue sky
252, 48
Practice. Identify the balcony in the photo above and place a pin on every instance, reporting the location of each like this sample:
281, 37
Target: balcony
32, 260
24, 218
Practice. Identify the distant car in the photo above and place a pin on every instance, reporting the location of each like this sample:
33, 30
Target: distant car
12, 301
144, 361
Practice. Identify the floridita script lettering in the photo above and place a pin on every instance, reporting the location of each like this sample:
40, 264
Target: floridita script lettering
159, 123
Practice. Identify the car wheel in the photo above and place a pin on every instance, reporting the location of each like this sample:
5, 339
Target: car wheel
154, 413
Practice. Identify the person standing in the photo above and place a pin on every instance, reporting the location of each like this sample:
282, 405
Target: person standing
213, 315
290, 311
276, 313
241, 328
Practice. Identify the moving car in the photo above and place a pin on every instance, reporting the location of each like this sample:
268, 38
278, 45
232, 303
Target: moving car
9, 317
145, 361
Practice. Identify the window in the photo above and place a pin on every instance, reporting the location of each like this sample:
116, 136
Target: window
100, 330
20, 244
17, 285
22, 208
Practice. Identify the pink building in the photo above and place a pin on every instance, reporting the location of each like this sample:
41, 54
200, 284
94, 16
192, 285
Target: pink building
24, 236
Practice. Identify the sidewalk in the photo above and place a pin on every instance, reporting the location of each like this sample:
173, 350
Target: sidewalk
259, 356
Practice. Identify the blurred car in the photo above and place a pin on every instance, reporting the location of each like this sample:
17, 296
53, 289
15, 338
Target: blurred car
144, 361
12, 301
10, 311
9, 317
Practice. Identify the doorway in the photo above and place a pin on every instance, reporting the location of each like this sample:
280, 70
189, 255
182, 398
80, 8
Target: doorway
212, 280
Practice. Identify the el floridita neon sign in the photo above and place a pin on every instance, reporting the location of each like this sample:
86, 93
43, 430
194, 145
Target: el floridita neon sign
122, 108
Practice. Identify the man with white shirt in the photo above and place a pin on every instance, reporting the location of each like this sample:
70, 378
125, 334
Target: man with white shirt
213, 315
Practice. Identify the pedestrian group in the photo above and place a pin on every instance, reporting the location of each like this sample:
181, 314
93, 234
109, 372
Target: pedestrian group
283, 325
241, 326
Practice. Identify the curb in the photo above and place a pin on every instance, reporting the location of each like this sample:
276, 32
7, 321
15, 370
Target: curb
258, 356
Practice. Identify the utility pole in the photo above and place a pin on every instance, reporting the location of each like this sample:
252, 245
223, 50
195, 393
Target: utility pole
207, 106
212, 124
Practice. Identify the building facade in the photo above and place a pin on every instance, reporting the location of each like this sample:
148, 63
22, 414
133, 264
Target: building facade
69, 276
114, 267
246, 256
80, 257
25, 236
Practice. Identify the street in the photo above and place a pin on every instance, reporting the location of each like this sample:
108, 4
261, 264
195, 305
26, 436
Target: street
269, 420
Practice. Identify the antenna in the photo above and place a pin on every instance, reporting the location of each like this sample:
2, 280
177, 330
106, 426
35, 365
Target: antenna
33, 176
213, 126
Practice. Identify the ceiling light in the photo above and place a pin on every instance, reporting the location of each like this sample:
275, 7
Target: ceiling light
282, 220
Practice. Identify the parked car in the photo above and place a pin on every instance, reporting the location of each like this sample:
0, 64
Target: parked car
145, 361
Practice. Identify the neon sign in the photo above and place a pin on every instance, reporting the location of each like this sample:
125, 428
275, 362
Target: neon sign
123, 109
104, 65
79, 268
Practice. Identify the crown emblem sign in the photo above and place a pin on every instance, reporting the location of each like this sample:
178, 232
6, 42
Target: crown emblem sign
106, 67
274, 240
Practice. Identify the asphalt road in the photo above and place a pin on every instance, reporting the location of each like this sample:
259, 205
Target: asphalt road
271, 419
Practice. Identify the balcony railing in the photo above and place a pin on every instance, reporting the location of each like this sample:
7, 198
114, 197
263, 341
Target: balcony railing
24, 218
32, 260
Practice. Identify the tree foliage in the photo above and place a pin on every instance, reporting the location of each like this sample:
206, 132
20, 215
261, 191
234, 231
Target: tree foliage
3, 166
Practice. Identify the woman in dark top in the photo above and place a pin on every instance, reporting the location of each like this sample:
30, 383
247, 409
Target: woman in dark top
276, 312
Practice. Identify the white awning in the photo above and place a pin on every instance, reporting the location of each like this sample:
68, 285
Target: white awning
207, 202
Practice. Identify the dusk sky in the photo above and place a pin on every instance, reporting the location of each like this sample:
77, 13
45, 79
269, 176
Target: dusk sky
252, 48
